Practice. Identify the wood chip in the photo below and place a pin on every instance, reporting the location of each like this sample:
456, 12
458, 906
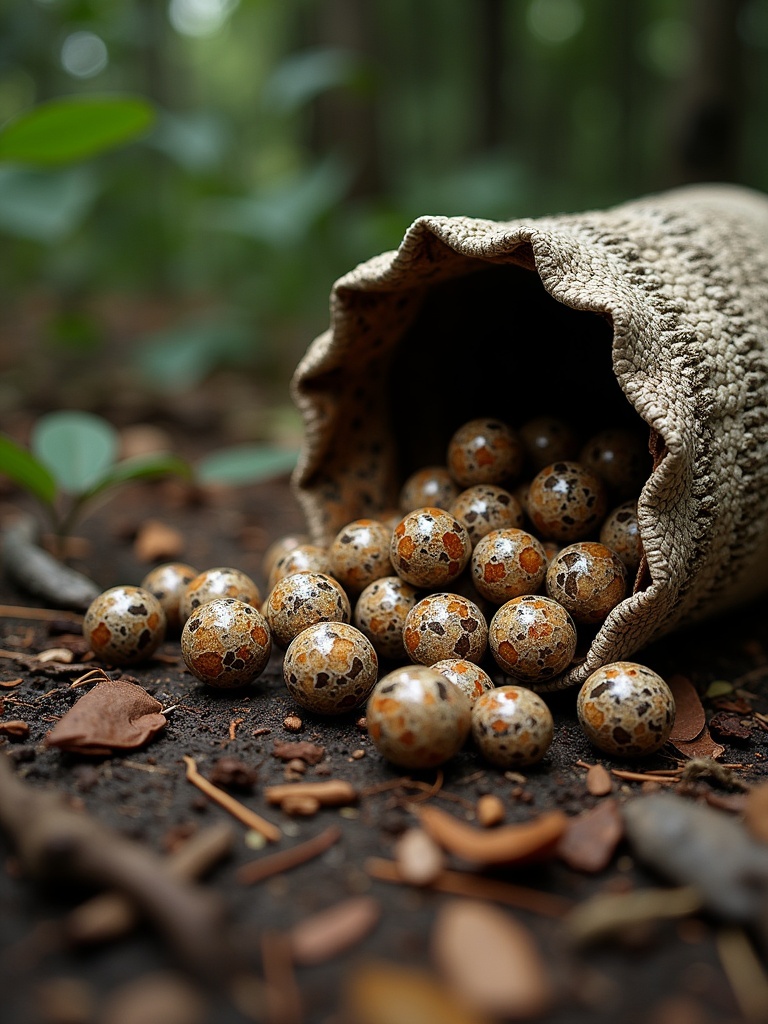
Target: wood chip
590, 841
599, 781
383, 993
756, 811
18, 729
286, 860
462, 883
293, 723
325, 935
490, 810
418, 857
117, 714
690, 718
239, 811
490, 961
333, 793
10, 684
158, 542
62, 655
511, 844
300, 806
302, 750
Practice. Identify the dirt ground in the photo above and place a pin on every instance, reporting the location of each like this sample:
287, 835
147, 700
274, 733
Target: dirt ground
667, 972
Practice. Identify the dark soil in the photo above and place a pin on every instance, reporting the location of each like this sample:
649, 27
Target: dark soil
670, 973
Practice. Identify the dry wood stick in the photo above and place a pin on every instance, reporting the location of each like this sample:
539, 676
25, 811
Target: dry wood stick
243, 814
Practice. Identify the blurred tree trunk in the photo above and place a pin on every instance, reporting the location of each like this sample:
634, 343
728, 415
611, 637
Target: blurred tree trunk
344, 122
708, 118
493, 126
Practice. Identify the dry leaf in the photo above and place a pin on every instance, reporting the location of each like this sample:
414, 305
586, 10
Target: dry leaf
157, 542
490, 961
689, 711
329, 933
702, 746
117, 714
383, 993
510, 844
591, 838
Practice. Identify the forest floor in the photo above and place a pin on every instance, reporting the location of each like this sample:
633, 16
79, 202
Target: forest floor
673, 967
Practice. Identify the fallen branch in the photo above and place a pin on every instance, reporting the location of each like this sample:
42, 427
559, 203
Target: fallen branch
39, 573
286, 860
55, 843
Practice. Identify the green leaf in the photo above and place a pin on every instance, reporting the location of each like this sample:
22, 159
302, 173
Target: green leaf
719, 688
303, 76
23, 468
245, 464
77, 447
180, 358
142, 467
74, 128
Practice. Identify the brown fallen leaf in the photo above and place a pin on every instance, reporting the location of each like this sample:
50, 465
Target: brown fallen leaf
690, 718
756, 812
702, 746
509, 844
490, 961
117, 714
157, 542
384, 993
327, 934
589, 842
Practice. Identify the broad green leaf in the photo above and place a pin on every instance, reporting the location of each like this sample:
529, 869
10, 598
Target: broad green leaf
245, 464
74, 128
182, 357
23, 468
142, 467
303, 76
77, 447
719, 688
45, 206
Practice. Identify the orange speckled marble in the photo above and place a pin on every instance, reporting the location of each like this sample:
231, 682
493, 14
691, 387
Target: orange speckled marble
484, 451
444, 626
532, 638
468, 676
380, 614
626, 709
359, 554
429, 548
222, 581
512, 726
486, 507
566, 502
621, 533
330, 668
226, 643
124, 625
508, 563
432, 485
168, 582
302, 599
588, 579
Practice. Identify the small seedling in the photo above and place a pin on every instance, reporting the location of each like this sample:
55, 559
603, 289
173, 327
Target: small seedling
72, 460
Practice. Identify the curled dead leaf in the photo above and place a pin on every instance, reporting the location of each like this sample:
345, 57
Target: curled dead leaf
117, 714
690, 718
589, 842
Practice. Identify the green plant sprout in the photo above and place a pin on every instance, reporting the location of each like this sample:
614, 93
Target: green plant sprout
72, 460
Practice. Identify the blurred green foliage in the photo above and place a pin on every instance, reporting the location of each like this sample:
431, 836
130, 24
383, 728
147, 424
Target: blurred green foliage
294, 138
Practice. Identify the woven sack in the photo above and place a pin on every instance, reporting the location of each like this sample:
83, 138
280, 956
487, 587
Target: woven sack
656, 309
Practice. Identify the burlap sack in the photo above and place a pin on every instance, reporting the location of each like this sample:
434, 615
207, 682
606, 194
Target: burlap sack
657, 308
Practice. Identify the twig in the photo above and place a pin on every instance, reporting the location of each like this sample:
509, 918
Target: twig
283, 999
39, 573
642, 777
13, 611
54, 842
286, 860
459, 883
243, 814
745, 973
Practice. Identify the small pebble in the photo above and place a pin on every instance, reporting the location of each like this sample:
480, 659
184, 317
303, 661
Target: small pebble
124, 625
226, 643
168, 582
626, 709
532, 638
444, 626
486, 507
418, 857
484, 451
468, 676
566, 502
508, 563
211, 584
330, 668
588, 579
380, 613
432, 485
430, 548
489, 810
302, 599
293, 723
512, 726
416, 718
359, 554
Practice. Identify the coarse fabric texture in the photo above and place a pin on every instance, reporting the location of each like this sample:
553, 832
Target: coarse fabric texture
656, 309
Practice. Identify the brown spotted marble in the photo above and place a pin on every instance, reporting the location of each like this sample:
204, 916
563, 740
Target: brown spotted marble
484, 451
508, 563
124, 625
620, 457
566, 502
444, 626
330, 668
281, 547
359, 554
432, 485
468, 676
168, 582
226, 643
486, 507
380, 614
512, 726
532, 638
222, 581
621, 533
547, 439
300, 558
302, 599
416, 718
626, 709
588, 579
429, 548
